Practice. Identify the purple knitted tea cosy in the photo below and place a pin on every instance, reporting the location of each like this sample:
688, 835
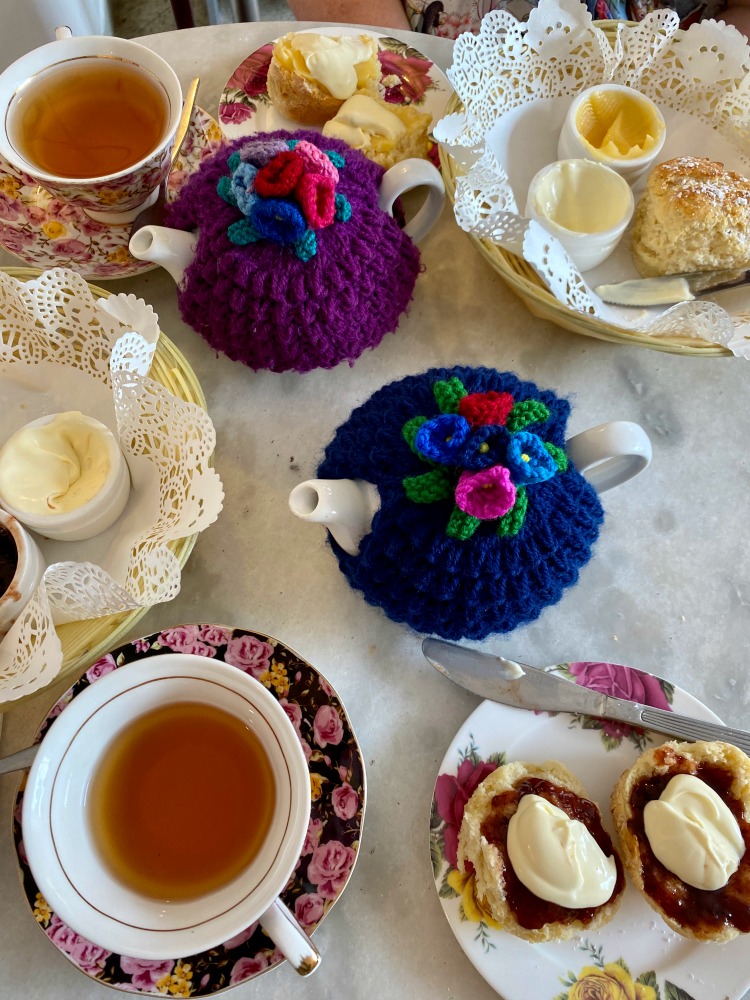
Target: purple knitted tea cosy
483, 520
309, 300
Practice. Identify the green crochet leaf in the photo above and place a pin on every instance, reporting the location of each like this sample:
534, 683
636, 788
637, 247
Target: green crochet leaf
461, 525
409, 430
242, 233
511, 523
528, 411
234, 161
224, 190
561, 459
429, 487
449, 394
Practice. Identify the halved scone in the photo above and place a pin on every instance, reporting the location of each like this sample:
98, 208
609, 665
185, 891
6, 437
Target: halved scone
311, 75
681, 823
573, 850
386, 133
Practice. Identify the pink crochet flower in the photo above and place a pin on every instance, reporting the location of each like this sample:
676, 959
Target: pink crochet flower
316, 161
316, 194
486, 494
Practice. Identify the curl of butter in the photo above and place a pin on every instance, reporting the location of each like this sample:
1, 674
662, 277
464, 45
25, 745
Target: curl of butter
56, 467
693, 833
361, 117
332, 60
619, 125
556, 857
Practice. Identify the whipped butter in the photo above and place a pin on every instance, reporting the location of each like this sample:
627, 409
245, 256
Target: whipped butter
693, 833
55, 467
331, 60
361, 117
556, 857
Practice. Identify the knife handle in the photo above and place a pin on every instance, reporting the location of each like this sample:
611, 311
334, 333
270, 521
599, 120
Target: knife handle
693, 729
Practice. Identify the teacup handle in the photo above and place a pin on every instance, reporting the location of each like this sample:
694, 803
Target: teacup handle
404, 176
285, 932
610, 454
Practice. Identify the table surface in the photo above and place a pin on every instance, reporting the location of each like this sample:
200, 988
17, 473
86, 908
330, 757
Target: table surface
667, 591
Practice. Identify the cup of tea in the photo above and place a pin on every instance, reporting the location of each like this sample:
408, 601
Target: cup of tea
21, 570
92, 120
166, 809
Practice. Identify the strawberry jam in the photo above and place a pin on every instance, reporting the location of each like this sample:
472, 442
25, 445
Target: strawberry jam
701, 910
529, 910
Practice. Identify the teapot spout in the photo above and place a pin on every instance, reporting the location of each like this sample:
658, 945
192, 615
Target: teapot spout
171, 249
345, 506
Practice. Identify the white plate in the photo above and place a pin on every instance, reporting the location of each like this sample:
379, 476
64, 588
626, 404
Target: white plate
682, 969
245, 107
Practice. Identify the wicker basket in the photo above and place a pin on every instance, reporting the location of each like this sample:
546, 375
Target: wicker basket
85, 641
527, 284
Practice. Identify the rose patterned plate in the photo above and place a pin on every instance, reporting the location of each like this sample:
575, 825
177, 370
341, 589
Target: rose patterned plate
337, 780
46, 232
408, 77
636, 956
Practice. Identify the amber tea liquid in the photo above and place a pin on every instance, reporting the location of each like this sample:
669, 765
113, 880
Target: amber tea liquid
182, 802
89, 118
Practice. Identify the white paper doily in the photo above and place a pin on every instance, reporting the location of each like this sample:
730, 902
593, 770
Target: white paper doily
61, 349
516, 80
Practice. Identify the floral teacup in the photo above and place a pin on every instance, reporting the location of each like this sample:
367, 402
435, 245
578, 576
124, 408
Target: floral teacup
115, 196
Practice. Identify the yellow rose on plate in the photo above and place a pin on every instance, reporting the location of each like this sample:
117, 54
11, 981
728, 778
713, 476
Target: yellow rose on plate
609, 983
475, 909
53, 230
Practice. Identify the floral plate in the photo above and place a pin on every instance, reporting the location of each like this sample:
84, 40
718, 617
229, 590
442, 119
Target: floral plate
46, 232
337, 779
408, 77
634, 957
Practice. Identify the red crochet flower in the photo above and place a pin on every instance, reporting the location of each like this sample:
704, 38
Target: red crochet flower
317, 196
280, 175
486, 407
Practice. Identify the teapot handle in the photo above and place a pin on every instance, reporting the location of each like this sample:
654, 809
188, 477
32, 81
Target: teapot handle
404, 176
610, 454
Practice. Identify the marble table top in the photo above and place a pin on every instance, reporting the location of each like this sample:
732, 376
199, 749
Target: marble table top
668, 590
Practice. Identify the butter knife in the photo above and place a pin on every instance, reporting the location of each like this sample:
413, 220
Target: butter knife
671, 288
537, 689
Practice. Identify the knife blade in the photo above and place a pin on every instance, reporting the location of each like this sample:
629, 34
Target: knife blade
671, 288
537, 689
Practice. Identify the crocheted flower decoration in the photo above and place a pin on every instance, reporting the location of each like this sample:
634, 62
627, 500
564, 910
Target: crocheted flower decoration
286, 192
482, 455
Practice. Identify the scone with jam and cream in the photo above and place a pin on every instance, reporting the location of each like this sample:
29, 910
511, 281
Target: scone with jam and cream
682, 813
386, 133
311, 75
544, 865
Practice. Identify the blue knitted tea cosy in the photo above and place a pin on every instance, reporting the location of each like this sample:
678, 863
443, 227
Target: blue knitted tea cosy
483, 520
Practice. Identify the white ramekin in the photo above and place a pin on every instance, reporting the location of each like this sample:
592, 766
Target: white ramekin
93, 517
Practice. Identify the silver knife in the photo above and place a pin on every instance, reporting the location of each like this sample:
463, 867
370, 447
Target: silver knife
538, 689
671, 288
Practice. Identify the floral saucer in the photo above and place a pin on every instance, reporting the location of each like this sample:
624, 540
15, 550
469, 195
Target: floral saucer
636, 955
45, 232
337, 779
408, 76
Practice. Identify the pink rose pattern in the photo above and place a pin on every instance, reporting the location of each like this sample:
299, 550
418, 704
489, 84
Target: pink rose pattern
87, 246
621, 682
452, 792
327, 856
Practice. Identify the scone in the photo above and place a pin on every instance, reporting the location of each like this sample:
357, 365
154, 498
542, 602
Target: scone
310, 75
693, 216
681, 824
386, 133
515, 838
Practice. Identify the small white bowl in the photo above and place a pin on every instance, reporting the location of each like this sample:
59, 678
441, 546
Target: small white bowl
28, 573
648, 126
92, 517
584, 204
